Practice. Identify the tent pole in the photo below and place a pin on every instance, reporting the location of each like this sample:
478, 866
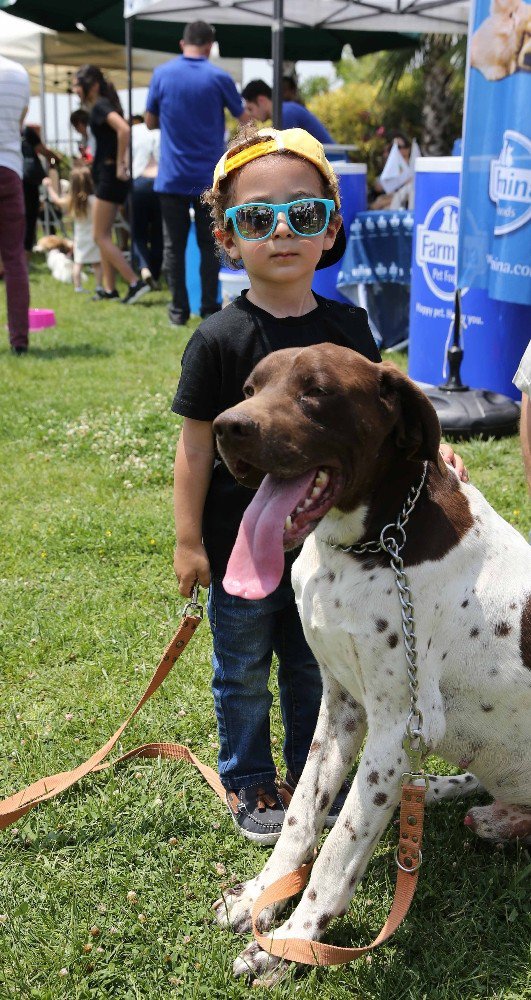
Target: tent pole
129, 70
42, 90
277, 55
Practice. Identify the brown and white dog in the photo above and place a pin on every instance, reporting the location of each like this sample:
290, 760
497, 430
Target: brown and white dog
341, 441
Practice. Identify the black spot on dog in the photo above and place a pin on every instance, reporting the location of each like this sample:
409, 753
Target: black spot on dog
330, 576
351, 725
391, 771
464, 604
501, 629
314, 747
307, 924
474, 632
380, 799
512, 606
443, 657
381, 624
292, 820
337, 604
389, 590
453, 781
343, 696
392, 640
324, 920
469, 777
487, 708
371, 577
429, 642
353, 879
324, 802
312, 895
374, 778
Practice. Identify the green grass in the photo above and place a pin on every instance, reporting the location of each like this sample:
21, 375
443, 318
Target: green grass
87, 602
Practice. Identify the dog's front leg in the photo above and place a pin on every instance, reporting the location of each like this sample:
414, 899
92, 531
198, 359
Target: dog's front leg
335, 746
374, 794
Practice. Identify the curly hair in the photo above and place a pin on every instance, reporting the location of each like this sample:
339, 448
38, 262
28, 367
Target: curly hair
220, 200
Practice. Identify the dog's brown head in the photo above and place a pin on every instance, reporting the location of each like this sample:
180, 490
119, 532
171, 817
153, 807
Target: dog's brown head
325, 426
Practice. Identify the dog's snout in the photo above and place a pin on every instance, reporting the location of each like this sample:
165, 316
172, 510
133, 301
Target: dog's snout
233, 426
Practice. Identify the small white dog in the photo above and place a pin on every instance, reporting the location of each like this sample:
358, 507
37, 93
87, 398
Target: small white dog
60, 265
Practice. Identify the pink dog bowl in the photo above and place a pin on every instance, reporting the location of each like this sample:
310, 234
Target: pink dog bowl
40, 318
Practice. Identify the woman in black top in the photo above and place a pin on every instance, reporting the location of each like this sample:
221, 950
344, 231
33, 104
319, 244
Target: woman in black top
111, 176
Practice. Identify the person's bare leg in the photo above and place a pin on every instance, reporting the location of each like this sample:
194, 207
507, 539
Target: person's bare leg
97, 271
112, 257
76, 276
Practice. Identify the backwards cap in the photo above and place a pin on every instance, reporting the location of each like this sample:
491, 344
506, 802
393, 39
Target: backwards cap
293, 140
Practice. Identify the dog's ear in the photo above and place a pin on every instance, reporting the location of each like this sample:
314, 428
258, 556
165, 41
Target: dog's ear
416, 430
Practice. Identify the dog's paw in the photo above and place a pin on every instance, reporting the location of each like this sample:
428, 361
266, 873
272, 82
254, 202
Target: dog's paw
255, 963
235, 906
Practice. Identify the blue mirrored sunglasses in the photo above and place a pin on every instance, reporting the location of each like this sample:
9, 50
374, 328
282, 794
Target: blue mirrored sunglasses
305, 217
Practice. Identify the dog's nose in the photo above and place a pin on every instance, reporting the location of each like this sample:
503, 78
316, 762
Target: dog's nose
232, 426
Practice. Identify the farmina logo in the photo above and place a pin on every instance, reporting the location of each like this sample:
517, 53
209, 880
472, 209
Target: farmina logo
436, 247
510, 183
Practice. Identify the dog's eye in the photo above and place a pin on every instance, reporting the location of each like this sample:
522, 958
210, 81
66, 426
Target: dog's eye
248, 391
313, 392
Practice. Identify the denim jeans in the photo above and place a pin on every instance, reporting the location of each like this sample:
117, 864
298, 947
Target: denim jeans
147, 226
245, 634
175, 210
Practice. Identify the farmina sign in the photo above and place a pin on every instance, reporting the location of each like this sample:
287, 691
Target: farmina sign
495, 219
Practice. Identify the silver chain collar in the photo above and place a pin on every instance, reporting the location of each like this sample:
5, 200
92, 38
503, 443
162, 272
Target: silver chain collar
392, 540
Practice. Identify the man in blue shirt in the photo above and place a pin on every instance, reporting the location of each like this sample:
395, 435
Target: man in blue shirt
258, 98
187, 98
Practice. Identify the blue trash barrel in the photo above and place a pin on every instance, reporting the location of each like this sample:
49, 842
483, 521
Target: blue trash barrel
353, 190
494, 334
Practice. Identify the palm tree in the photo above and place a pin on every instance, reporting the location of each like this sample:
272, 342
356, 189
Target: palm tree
440, 59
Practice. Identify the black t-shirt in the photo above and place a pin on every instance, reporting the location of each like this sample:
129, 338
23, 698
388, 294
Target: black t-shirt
34, 171
218, 359
105, 136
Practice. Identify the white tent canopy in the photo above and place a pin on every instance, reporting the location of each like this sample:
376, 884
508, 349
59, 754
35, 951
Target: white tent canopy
62, 53
438, 16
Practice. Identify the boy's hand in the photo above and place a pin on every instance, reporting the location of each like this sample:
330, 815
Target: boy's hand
452, 458
191, 564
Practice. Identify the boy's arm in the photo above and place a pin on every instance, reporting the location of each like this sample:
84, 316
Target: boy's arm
194, 461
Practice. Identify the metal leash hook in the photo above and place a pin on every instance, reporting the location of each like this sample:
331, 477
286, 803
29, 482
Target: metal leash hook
194, 605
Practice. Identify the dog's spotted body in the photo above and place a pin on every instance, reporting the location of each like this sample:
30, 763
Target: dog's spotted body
368, 428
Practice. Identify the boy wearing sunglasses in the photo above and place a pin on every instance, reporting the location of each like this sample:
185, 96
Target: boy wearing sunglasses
275, 205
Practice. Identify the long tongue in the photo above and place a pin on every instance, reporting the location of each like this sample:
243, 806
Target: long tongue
257, 560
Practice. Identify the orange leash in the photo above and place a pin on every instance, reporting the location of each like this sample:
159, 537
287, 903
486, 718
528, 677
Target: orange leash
15, 806
409, 855
409, 858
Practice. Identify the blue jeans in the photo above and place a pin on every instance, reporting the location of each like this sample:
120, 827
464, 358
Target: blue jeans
147, 226
245, 634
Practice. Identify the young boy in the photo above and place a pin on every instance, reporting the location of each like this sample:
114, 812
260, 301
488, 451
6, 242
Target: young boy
275, 204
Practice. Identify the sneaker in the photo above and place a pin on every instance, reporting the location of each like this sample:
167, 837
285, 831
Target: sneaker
337, 805
258, 812
101, 295
147, 276
178, 317
136, 292
81, 290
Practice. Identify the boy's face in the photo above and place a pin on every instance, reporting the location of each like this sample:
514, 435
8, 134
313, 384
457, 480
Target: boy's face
284, 256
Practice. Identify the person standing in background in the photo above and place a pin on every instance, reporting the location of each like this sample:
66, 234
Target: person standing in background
14, 101
187, 99
147, 219
111, 174
258, 98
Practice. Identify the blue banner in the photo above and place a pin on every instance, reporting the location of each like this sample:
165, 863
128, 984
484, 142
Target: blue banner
495, 219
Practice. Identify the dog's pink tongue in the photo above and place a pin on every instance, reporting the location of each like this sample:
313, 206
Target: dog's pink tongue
257, 560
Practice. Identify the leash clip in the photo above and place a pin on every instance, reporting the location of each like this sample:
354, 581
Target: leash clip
194, 605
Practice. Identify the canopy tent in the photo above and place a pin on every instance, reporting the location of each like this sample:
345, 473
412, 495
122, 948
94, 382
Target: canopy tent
250, 37
363, 17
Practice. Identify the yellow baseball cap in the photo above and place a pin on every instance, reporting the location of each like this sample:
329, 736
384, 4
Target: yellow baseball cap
293, 140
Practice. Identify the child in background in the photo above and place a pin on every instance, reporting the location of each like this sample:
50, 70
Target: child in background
78, 204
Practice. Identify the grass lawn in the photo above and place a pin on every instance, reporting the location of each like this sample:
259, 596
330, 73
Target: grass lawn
87, 602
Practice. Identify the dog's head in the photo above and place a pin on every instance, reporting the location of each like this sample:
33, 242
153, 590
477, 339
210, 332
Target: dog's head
327, 427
